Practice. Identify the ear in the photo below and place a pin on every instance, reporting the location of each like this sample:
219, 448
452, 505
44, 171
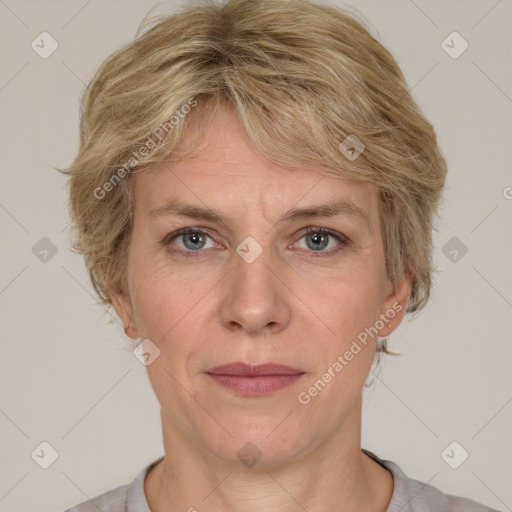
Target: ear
395, 304
124, 309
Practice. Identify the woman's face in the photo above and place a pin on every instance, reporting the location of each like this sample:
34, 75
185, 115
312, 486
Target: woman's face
254, 287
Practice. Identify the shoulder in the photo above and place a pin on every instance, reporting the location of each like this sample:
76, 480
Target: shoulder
125, 498
410, 495
425, 498
110, 501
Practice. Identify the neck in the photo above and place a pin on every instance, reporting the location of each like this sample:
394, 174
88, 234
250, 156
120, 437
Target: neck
333, 476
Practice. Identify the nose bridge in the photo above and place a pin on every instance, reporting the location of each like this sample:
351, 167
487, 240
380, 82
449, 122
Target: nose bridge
252, 265
254, 299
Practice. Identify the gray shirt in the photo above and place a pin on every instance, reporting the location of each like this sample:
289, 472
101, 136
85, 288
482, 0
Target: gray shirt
409, 495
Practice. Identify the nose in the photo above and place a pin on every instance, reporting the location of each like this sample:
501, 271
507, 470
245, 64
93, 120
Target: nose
255, 300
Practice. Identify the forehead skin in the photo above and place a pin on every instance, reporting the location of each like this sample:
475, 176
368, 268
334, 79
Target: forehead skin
233, 178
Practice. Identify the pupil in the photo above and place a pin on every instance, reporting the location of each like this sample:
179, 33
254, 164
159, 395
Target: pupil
317, 239
195, 238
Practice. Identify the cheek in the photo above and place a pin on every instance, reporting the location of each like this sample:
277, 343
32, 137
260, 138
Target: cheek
346, 303
348, 307
334, 304
154, 302
167, 300
158, 306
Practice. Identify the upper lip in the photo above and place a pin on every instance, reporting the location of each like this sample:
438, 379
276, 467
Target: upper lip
253, 370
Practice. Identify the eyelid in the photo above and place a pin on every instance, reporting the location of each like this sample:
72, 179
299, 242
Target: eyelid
185, 231
342, 239
332, 232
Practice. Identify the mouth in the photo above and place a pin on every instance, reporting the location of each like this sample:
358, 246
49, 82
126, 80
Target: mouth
254, 380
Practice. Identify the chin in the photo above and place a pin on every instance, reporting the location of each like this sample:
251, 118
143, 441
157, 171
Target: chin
258, 442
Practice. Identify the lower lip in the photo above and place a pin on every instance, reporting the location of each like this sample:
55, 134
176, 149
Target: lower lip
254, 386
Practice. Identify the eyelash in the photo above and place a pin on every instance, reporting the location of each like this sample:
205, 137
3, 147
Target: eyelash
342, 239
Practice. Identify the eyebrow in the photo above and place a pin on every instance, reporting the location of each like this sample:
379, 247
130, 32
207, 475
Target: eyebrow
340, 207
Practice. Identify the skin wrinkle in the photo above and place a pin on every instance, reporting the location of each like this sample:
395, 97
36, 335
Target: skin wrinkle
284, 307
301, 80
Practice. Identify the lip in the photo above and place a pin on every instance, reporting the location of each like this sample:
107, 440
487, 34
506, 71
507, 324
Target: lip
253, 370
254, 379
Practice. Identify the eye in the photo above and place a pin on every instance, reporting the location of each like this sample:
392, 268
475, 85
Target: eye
317, 239
192, 240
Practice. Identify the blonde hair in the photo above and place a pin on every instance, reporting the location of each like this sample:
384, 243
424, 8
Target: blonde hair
302, 77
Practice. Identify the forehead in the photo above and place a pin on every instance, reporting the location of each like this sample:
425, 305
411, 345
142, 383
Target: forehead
230, 174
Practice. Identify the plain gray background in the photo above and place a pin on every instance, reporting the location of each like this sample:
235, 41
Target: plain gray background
66, 379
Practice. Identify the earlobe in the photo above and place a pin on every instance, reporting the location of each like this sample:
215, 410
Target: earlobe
124, 310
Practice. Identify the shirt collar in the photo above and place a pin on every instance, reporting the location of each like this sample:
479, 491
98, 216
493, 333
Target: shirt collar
400, 500
135, 497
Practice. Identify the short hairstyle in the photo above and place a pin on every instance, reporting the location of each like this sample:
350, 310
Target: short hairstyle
311, 87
